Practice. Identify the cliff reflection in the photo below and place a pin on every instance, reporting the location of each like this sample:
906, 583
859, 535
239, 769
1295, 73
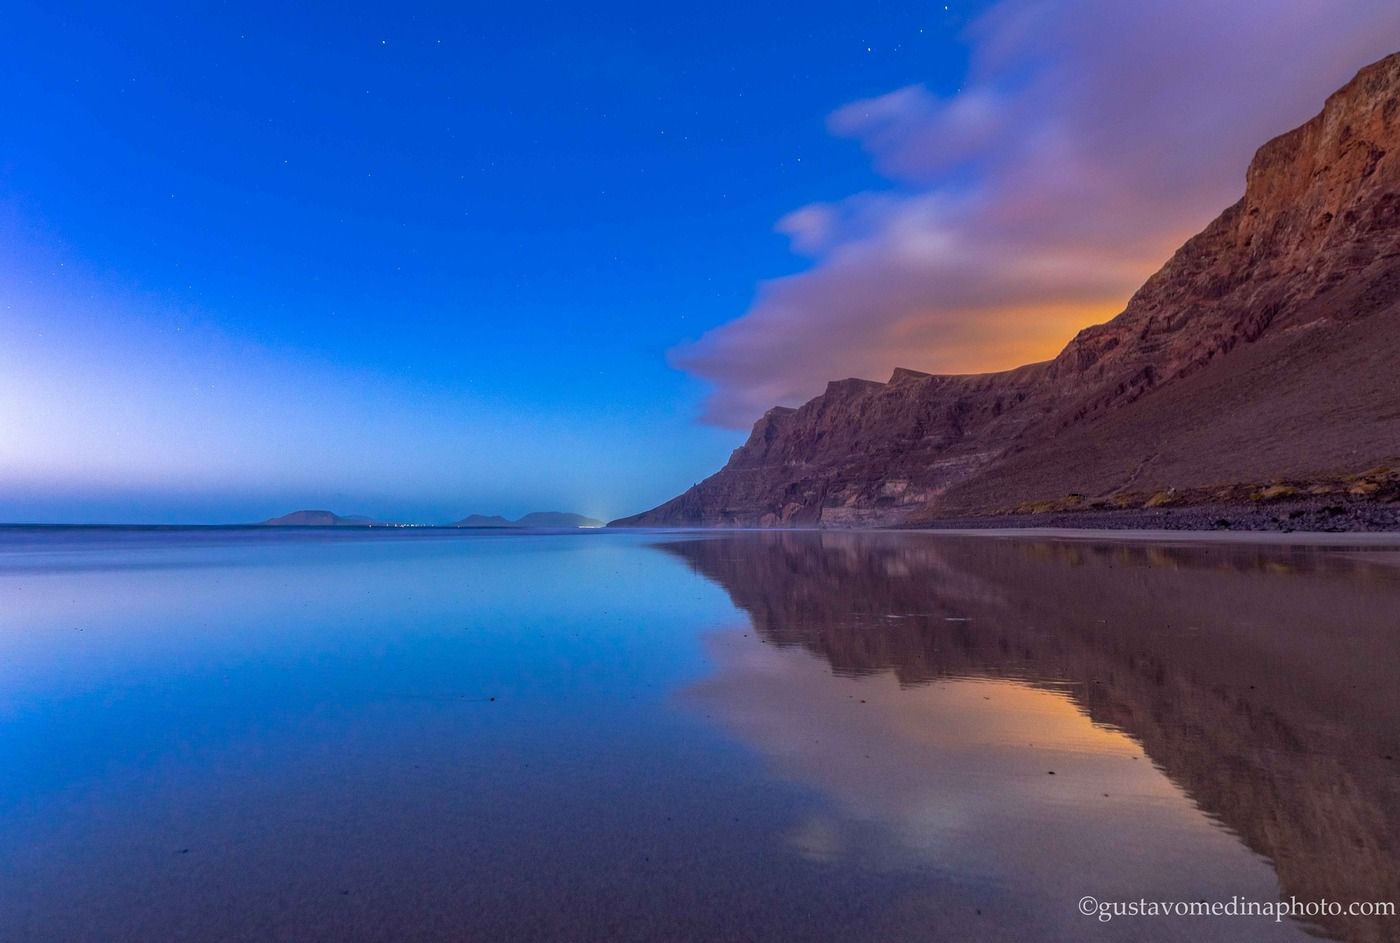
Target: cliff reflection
1261, 682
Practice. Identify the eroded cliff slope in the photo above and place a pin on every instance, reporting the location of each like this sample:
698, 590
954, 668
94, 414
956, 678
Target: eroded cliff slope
1265, 349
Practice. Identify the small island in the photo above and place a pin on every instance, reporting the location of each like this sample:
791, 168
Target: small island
537, 519
319, 519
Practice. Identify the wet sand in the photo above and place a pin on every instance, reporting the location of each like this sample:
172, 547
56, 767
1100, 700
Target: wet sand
713, 735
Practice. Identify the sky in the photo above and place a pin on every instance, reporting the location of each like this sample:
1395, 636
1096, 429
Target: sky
419, 261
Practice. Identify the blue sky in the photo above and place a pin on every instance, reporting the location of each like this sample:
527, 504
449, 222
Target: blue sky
452, 244
417, 261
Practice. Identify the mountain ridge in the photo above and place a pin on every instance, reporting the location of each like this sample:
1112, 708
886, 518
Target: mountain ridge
1260, 351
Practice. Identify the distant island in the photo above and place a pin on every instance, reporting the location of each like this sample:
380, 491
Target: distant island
319, 519
534, 519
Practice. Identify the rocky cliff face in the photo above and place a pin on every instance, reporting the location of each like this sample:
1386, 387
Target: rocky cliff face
1264, 349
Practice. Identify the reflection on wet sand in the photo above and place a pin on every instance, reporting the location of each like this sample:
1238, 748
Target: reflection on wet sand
1259, 681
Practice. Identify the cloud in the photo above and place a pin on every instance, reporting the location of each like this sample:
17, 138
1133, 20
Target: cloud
1086, 143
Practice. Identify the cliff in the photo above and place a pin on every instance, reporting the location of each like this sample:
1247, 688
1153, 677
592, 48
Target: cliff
1262, 351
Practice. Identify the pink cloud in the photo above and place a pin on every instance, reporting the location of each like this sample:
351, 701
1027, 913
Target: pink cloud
1087, 142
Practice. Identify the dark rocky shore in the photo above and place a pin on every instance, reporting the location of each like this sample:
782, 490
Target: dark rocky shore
1312, 515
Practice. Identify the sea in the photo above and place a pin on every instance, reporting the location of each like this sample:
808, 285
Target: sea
259, 734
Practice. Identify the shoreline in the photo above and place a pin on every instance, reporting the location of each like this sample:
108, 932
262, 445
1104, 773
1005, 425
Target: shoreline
1315, 515
1361, 539
1002, 527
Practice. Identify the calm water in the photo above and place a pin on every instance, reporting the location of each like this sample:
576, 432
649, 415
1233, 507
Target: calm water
224, 735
